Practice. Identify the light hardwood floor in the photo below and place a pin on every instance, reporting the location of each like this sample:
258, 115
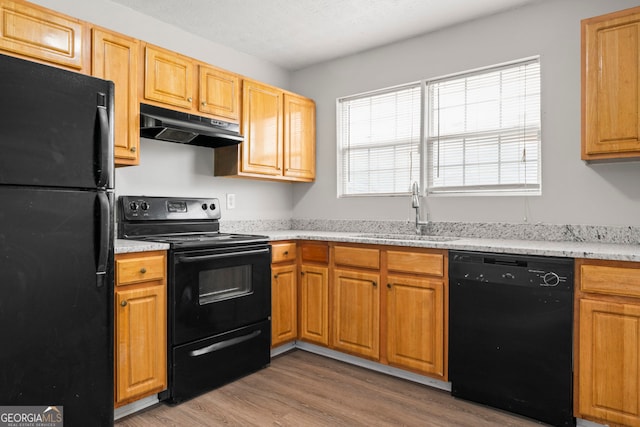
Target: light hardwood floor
304, 389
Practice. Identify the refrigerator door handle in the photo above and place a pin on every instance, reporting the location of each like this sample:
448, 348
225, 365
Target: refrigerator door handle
103, 141
104, 222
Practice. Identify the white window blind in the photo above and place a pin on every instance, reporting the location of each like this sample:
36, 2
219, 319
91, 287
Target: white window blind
379, 141
483, 131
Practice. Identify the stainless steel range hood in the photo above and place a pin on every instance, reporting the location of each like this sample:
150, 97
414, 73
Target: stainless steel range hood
184, 128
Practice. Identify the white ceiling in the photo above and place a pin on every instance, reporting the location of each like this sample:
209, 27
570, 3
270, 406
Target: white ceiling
296, 33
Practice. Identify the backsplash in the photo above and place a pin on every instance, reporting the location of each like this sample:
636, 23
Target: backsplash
544, 232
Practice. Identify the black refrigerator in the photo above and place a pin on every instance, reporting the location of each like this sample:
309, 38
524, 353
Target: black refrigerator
56, 243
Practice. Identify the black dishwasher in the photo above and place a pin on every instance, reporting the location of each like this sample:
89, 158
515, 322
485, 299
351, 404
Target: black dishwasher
510, 333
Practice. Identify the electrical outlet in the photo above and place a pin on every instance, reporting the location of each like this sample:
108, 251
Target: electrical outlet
231, 201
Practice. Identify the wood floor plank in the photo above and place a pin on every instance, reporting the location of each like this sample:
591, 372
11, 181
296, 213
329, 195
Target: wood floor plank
304, 389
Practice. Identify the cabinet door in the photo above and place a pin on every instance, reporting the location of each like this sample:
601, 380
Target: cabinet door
299, 137
611, 84
356, 312
262, 129
115, 58
219, 93
609, 362
284, 302
141, 365
314, 304
415, 324
168, 78
41, 34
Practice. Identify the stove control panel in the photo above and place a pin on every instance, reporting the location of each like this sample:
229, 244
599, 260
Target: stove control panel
143, 208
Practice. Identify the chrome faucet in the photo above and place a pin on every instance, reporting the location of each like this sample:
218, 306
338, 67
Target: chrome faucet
415, 204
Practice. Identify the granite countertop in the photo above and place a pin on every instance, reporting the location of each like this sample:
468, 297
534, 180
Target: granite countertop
607, 251
123, 246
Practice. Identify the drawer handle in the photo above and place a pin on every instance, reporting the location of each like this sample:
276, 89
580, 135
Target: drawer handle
286, 253
143, 270
123, 303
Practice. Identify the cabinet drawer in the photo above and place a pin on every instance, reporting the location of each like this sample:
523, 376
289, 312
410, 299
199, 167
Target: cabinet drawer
315, 252
357, 257
611, 280
416, 262
283, 252
133, 270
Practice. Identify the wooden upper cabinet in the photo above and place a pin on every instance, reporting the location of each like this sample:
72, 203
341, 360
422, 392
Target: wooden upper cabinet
40, 34
115, 57
299, 137
168, 77
611, 86
262, 129
279, 132
219, 93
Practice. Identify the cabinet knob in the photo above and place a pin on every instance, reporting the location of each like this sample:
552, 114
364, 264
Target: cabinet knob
133, 149
204, 103
275, 276
123, 303
286, 253
374, 283
190, 99
302, 273
143, 270
389, 285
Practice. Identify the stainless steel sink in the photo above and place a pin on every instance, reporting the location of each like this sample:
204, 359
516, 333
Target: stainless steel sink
408, 237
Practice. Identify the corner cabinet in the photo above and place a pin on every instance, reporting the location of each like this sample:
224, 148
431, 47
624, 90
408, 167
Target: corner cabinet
115, 57
313, 310
607, 378
284, 293
611, 86
279, 132
140, 312
40, 34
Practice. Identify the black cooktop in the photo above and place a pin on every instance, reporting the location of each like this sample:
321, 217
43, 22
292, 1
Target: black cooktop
180, 222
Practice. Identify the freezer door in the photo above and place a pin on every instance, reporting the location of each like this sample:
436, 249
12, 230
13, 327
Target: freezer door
56, 306
56, 127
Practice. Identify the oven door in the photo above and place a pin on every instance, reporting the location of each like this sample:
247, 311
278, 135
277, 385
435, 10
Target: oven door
217, 290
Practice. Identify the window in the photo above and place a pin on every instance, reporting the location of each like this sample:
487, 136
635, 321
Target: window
483, 131
379, 141
481, 135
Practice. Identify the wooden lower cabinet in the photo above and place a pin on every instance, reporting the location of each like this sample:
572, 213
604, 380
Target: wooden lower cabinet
314, 304
609, 361
356, 312
415, 324
140, 307
284, 293
608, 342
284, 298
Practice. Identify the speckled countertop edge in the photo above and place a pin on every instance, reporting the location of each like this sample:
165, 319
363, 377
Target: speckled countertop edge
606, 251
123, 246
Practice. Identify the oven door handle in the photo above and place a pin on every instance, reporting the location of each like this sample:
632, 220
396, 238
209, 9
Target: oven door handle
224, 344
197, 258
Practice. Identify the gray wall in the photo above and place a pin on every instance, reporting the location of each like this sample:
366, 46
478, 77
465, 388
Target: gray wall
572, 191
173, 169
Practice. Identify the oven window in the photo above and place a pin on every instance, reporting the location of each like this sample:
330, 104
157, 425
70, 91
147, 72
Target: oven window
224, 283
